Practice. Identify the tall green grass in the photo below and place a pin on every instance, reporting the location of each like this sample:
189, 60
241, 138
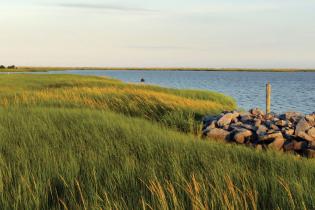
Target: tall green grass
56, 158
72, 142
179, 109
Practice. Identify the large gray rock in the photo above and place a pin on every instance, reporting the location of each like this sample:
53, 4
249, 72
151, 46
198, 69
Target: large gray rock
211, 126
306, 137
242, 135
271, 136
227, 119
311, 132
219, 134
302, 127
277, 144
245, 117
256, 112
262, 130
310, 119
291, 116
295, 145
310, 153
281, 123
249, 127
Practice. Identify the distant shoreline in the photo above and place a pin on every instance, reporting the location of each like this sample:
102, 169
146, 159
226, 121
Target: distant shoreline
45, 69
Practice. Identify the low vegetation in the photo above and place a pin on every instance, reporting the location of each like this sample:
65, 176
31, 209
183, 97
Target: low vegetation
71, 142
180, 109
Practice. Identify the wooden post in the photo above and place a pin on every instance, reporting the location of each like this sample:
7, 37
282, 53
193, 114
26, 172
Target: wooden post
268, 97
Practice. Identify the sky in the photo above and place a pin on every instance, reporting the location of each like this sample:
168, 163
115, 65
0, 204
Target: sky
158, 33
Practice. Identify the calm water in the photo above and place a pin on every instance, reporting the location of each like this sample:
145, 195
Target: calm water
290, 91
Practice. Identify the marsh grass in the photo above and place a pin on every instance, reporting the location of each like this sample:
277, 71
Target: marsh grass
71, 142
57, 158
179, 109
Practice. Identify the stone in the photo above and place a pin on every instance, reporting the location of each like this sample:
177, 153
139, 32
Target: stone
274, 127
310, 119
246, 117
281, 123
258, 123
305, 136
311, 132
268, 123
300, 145
226, 119
226, 127
269, 116
288, 146
219, 134
262, 130
256, 111
291, 116
211, 126
310, 153
289, 132
277, 144
234, 120
242, 135
249, 127
302, 126
271, 136
311, 145
206, 121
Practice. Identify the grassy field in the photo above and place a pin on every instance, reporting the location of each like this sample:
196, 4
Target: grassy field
180, 109
45, 69
73, 142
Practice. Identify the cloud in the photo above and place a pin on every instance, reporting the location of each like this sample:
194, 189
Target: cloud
108, 7
165, 47
227, 8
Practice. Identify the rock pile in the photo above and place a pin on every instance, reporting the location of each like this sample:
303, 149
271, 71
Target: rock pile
289, 132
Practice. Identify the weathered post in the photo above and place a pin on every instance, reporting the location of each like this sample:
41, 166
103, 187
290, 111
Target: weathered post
268, 97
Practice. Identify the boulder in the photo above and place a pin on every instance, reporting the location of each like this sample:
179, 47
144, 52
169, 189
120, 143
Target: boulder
300, 145
291, 116
305, 136
311, 132
219, 134
274, 127
245, 117
277, 144
226, 119
310, 153
249, 127
262, 130
206, 121
302, 126
281, 123
256, 112
242, 135
257, 123
271, 136
310, 119
288, 133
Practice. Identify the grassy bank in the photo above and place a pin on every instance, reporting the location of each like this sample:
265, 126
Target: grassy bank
88, 159
180, 109
45, 69
74, 142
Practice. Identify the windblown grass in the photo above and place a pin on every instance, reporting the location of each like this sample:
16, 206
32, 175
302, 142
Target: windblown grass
180, 109
73, 142
56, 158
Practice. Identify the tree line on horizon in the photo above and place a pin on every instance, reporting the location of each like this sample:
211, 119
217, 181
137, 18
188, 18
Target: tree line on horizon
8, 67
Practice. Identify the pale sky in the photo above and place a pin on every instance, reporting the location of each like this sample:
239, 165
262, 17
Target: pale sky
158, 33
